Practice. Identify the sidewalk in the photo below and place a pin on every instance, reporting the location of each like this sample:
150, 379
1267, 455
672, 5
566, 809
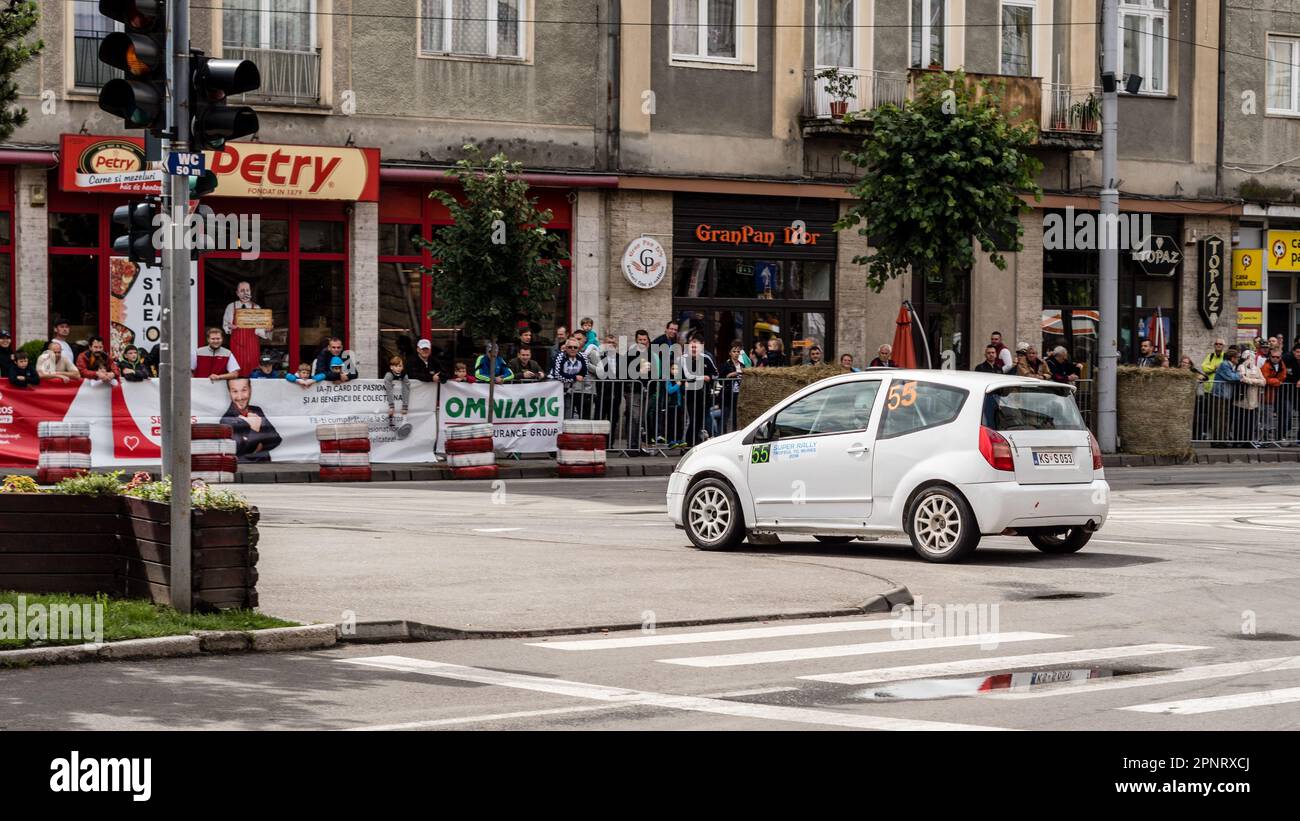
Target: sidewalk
544, 468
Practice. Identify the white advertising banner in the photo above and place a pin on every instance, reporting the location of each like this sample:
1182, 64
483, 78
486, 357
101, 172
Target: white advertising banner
135, 305
275, 420
526, 415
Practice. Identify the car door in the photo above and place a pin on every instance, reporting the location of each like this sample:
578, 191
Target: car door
811, 463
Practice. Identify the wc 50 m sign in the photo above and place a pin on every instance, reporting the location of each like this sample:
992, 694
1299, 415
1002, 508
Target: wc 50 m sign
526, 416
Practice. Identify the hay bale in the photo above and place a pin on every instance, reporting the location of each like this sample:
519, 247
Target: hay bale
761, 388
1155, 407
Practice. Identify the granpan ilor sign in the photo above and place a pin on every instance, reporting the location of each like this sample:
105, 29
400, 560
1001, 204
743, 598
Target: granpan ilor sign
1210, 273
301, 172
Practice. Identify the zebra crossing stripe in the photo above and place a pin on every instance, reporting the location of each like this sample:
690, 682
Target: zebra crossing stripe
996, 664
1215, 704
841, 650
1199, 673
643, 698
743, 634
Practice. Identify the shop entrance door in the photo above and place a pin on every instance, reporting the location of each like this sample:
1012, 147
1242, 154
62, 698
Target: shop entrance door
943, 305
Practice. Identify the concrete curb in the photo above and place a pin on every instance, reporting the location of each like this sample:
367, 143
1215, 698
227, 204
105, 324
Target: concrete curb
391, 631
199, 642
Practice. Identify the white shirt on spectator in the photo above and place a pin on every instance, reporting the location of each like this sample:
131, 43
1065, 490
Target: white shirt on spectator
1004, 357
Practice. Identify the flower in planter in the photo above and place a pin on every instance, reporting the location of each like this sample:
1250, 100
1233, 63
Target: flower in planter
140, 478
19, 484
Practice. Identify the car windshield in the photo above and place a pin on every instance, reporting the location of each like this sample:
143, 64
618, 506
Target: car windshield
1017, 408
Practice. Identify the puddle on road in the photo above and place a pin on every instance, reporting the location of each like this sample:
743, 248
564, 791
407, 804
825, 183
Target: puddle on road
1265, 636
1060, 595
1021, 681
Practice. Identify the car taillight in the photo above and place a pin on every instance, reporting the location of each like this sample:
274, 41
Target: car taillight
1096, 451
996, 449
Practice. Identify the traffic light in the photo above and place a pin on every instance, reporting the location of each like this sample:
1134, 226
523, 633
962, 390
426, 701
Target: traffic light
138, 218
211, 82
140, 97
203, 184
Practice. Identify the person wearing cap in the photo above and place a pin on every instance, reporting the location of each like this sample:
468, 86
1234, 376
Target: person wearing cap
6, 351
423, 367
245, 343
265, 368
132, 365
61, 331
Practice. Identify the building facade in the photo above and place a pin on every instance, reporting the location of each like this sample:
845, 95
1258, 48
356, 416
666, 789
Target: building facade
699, 124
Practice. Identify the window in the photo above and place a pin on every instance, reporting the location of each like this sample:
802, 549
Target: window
1010, 409
1144, 38
1018, 37
835, 33
928, 18
912, 406
6, 270
472, 28
705, 29
837, 409
88, 28
280, 36
1283, 69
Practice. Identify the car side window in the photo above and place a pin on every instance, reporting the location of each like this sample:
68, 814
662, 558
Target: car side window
911, 406
837, 409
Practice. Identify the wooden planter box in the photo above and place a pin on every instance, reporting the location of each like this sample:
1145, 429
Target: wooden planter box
120, 546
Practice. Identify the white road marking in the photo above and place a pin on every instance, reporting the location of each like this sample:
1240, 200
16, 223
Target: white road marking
983, 665
1237, 701
482, 719
840, 650
620, 696
742, 634
1201, 672
496, 529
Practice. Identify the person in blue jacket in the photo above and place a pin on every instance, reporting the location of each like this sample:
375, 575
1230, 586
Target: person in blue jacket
1226, 382
502, 371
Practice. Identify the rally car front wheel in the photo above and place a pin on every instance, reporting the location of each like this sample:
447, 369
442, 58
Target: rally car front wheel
712, 516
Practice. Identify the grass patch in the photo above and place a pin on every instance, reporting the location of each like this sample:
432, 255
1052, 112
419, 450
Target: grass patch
123, 619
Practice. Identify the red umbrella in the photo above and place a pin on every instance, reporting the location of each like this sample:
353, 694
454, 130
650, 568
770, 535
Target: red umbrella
904, 349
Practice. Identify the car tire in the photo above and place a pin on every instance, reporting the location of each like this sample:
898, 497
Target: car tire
712, 517
941, 525
1062, 540
835, 539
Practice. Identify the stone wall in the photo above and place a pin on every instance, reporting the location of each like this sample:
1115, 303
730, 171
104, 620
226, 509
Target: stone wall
629, 214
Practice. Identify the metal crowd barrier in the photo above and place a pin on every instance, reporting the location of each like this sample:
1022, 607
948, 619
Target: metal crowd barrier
1237, 415
654, 415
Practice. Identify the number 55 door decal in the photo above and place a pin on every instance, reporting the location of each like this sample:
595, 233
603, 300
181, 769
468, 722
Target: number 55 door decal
760, 454
901, 396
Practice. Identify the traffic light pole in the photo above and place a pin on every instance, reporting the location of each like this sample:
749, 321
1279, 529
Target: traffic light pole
1108, 356
179, 335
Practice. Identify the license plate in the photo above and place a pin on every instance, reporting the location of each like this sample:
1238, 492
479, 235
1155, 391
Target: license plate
1053, 458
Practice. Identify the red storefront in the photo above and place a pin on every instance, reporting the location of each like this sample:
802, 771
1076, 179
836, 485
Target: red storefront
302, 196
8, 292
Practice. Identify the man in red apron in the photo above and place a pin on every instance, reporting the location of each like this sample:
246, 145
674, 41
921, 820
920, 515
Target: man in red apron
245, 343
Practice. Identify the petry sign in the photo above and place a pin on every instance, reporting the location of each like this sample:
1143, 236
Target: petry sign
302, 172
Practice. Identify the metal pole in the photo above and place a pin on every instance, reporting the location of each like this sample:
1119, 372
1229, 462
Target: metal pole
1109, 284
179, 335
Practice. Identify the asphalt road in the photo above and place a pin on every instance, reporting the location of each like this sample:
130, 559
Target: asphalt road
1179, 615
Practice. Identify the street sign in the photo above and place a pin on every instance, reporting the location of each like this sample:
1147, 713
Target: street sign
1160, 256
185, 163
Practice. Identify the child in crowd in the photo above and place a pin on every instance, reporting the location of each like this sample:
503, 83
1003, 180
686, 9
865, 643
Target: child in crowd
265, 368
397, 384
22, 373
133, 366
674, 408
462, 373
303, 377
588, 329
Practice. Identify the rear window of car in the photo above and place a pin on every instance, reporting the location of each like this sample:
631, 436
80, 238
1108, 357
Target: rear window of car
1014, 408
911, 406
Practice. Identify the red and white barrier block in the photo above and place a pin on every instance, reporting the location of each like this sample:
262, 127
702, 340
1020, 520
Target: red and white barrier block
469, 452
212, 453
344, 452
581, 448
64, 451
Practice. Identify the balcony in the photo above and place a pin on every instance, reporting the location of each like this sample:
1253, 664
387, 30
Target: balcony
88, 71
1066, 121
288, 77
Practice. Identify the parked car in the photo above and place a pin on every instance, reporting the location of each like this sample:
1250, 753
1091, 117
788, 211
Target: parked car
944, 457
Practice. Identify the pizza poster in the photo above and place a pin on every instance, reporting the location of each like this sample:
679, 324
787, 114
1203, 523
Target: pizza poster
136, 304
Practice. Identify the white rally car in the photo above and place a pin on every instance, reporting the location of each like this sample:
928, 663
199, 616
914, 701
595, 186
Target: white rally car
942, 456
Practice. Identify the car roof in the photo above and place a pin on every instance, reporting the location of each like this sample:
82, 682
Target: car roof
971, 380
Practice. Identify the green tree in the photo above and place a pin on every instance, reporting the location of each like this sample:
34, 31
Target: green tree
17, 21
941, 172
496, 263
